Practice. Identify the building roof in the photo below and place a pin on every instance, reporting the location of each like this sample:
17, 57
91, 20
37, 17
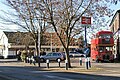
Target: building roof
118, 11
18, 37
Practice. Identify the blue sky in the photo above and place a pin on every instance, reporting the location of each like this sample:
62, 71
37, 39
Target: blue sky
14, 27
6, 27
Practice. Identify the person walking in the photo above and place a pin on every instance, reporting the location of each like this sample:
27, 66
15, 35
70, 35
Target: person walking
19, 55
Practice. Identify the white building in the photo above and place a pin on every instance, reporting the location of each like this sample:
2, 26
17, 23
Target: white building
3, 45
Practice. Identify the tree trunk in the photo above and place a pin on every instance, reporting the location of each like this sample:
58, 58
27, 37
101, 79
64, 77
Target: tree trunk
68, 58
36, 48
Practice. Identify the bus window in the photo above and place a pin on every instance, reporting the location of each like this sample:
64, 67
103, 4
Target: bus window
101, 36
107, 36
101, 49
108, 48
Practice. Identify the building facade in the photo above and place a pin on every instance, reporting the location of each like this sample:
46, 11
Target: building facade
11, 42
3, 45
115, 28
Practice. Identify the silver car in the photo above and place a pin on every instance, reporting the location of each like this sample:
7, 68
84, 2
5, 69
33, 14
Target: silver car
76, 54
53, 56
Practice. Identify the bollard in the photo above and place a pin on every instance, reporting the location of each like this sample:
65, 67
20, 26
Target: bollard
30, 61
27, 59
38, 61
47, 61
89, 64
66, 62
80, 61
33, 60
86, 63
58, 62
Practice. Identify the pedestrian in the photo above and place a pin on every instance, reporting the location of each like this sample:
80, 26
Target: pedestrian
18, 55
23, 55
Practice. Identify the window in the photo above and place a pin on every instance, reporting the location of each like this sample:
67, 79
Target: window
101, 49
56, 54
108, 48
105, 36
49, 54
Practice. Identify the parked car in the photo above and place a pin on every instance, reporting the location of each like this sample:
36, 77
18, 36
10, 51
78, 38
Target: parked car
53, 56
36, 58
76, 54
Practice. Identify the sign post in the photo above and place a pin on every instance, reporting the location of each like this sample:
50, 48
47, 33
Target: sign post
85, 22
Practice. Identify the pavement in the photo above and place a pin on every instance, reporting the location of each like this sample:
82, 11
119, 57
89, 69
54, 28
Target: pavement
54, 66
95, 68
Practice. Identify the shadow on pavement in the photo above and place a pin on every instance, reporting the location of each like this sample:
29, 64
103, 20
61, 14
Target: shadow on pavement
14, 71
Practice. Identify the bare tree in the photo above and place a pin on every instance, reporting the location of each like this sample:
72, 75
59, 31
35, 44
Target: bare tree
65, 15
27, 15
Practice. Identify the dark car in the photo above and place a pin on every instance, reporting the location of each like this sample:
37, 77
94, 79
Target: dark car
53, 56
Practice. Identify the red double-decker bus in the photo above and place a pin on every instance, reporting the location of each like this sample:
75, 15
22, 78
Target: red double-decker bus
102, 46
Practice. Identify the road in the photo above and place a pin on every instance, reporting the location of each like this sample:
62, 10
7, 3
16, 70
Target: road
18, 71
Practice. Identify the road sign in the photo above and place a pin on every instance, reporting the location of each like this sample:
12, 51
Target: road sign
86, 20
86, 51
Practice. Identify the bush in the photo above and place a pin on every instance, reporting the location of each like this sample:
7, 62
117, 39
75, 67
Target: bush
23, 55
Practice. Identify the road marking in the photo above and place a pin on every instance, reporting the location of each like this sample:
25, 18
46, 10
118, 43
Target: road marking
49, 76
